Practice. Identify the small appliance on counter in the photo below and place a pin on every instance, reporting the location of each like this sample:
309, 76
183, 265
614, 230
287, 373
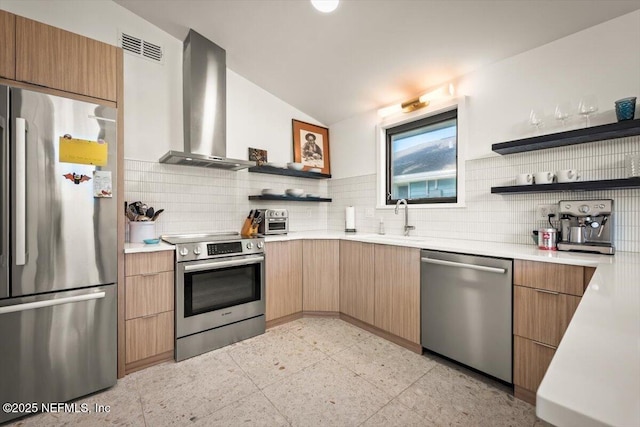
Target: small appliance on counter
587, 226
274, 221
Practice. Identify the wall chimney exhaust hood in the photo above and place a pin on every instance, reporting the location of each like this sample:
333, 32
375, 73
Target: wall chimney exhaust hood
204, 107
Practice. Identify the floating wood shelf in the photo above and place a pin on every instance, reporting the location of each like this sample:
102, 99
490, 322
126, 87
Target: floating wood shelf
608, 184
290, 198
288, 172
578, 136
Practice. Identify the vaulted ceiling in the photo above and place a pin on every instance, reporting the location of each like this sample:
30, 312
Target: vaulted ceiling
370, 53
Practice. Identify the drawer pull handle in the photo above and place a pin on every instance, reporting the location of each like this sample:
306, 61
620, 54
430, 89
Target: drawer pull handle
149, 274
542, 291
544, 345
155, 314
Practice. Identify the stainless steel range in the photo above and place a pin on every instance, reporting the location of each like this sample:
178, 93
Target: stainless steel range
219, 291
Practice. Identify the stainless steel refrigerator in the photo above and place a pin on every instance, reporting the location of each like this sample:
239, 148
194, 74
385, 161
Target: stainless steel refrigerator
58, 250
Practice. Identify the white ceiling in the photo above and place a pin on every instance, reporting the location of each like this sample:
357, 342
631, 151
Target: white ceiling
370, 53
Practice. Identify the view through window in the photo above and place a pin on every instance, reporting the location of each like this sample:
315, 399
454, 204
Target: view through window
422, 160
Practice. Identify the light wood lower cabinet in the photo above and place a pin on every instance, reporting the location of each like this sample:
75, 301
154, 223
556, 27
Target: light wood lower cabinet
8, 45
321, 275
542, 315
530, 362
357, 280
283, 279
149, 309
397, 291
545, 297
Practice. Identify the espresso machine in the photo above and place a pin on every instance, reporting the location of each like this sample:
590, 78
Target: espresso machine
587, 226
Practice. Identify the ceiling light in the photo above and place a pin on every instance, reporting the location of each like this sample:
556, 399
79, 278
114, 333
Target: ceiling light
325, 6
422, 101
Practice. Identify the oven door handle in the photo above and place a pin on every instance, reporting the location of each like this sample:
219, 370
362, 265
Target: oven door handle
223, 264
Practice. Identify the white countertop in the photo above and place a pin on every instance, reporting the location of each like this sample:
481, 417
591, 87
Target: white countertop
132, 248
594, 377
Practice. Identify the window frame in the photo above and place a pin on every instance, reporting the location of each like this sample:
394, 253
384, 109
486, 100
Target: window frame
437, 107
412, 125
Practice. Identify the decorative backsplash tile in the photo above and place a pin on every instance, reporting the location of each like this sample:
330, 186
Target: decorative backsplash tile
200, 200
498, 217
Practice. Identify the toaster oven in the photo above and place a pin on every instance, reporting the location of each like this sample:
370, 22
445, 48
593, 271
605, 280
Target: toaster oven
274, 221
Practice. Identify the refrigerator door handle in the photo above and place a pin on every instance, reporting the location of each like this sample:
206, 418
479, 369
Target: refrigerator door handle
51, 302
21, 191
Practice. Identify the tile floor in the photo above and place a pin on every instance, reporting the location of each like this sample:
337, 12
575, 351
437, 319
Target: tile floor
310, 372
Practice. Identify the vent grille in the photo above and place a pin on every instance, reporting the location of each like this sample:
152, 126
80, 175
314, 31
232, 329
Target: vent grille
141, 48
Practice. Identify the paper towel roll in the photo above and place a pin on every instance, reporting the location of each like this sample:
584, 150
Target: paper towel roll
350, 218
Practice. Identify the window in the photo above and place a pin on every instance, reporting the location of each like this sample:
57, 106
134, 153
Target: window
422, 160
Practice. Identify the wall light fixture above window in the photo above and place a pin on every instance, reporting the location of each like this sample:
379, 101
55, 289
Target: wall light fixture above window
422, 101
325, 6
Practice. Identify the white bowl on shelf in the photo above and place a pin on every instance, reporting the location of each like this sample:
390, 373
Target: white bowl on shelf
313, 196
294, 192
295, 166
277, 165
272, 192
315, 170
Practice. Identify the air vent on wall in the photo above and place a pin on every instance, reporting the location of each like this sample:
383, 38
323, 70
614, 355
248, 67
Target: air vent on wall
142, 48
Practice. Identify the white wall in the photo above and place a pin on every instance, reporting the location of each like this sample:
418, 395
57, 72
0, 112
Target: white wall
153, 92
601, 60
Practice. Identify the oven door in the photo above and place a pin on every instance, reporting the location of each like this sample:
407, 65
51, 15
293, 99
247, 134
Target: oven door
216, 292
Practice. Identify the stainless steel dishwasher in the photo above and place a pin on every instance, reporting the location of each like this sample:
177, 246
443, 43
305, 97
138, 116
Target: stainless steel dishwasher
466, 308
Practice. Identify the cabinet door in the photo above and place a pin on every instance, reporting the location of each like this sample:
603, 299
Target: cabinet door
148, 263
58, 59
542, 315
141, 338
283, 278
397, 291
357, 280
321, 275
530, 362
567, 279
8, 45
149, 294
164, 332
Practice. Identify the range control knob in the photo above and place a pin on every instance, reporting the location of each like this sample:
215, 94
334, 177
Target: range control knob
583, 209
260, 245
567, 206
197, 251
184, 251
601, 206
249, 245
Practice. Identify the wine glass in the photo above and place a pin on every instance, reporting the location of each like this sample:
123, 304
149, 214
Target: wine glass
563, 112
536, 118
588, 105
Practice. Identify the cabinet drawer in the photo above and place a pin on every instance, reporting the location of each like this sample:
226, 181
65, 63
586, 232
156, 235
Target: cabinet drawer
149, 294
149, 336
148, 262
566, 279
530, 362
542, 315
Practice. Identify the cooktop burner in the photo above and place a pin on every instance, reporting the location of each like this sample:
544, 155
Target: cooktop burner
217, 236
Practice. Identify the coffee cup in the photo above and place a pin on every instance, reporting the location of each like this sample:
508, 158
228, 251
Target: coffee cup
568, 175
524, 179
543, 177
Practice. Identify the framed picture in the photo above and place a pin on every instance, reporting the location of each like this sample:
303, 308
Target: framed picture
258, 155
311, 146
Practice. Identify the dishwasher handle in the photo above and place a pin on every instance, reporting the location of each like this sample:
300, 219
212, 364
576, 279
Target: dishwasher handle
464, 265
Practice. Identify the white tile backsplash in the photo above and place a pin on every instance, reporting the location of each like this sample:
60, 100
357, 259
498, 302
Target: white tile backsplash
507, 218
199, 199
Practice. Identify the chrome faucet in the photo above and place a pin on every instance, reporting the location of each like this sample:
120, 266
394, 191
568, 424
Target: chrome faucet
407, 227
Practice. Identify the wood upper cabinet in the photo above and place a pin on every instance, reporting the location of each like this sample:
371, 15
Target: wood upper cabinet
321, 275
542, 315
149, 308
7, 45
357, 280
58, 59
397, 291
283, 278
